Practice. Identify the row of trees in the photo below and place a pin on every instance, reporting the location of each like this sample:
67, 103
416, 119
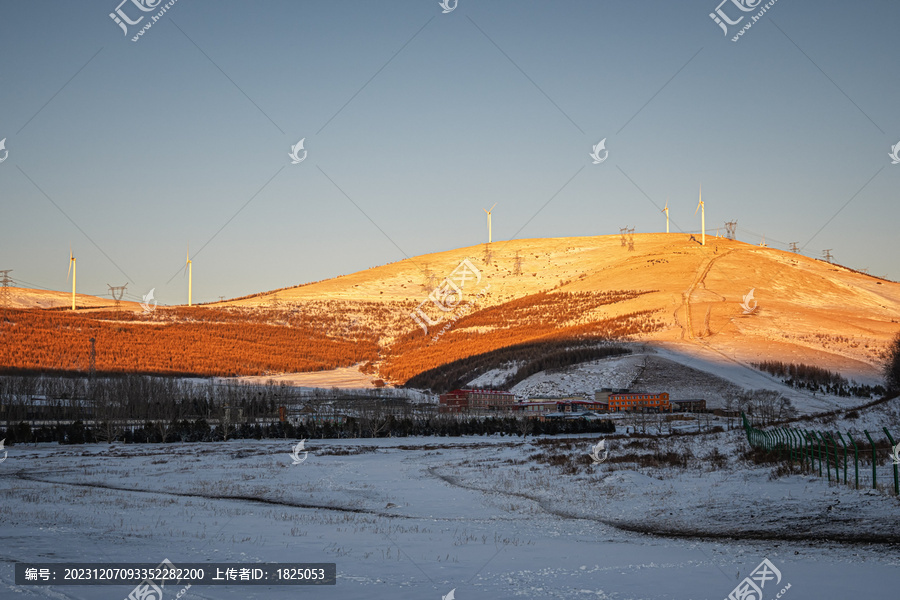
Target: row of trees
817, 379
529, 357
200, 430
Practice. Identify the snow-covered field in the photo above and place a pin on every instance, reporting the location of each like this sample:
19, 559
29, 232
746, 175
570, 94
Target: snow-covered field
416, 518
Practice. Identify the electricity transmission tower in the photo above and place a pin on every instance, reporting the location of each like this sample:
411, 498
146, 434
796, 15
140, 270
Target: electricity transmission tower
117, 291
794, 247
487, 254
827, 254
623, 231
730, 227
518, 268
631, 239
5, 281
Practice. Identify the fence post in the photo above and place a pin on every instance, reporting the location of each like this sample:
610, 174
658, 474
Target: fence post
791, 443
896, 483
837, 459
810, 453
786, 443
824, 442
855, 458
807, 453
746, 426
874, 471
814, 447
840, 437
818, 448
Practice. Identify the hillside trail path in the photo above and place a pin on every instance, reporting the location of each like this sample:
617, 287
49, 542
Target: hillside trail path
699, 278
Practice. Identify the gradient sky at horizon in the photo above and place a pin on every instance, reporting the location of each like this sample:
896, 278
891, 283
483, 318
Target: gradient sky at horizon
423, 119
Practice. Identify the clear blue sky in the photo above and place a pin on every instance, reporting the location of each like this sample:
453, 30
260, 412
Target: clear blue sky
423, 119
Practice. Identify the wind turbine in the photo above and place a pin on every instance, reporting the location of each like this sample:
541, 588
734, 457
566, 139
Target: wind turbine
190, 271
666, 210
702, 209
489, 220
72, 272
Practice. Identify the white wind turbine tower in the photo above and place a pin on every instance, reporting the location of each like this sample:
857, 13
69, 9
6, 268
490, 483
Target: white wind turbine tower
702, 209
190, 273
72, 272
489, 220
666, 210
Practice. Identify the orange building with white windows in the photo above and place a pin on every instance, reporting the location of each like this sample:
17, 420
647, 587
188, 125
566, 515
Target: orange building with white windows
628, 401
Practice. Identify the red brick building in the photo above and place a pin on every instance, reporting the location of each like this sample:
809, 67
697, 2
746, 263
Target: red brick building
475, 401
629, 401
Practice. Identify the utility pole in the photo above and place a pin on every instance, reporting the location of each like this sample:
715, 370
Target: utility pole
794, 247
5, 281
827, 254
518, 268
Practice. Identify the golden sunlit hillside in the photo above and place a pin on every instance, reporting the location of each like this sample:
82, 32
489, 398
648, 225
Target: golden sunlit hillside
665, 289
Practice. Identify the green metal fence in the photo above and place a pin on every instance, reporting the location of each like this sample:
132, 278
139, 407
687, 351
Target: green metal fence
857, 462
